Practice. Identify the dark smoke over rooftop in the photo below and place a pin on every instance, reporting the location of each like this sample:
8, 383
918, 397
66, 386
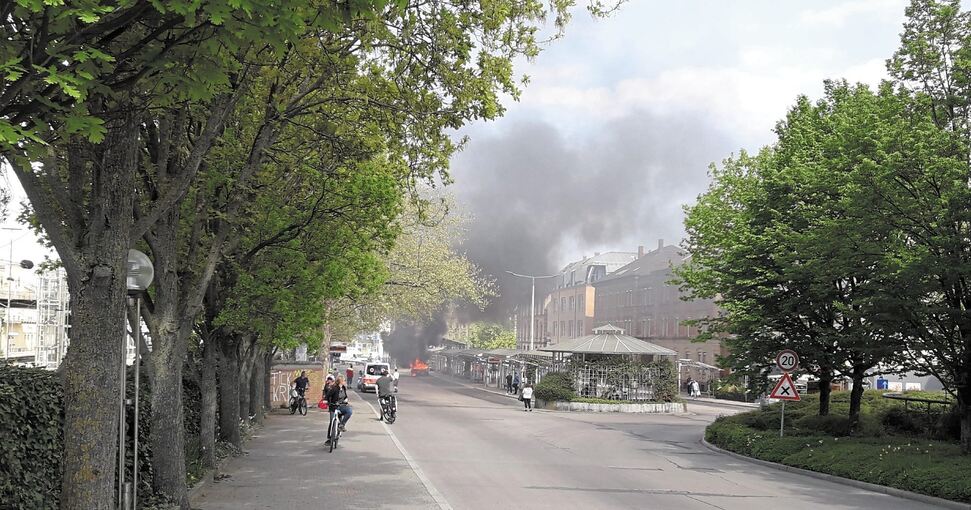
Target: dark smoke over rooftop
540, 199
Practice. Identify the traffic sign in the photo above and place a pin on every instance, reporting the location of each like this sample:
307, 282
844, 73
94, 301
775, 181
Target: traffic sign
785, 389
787, 360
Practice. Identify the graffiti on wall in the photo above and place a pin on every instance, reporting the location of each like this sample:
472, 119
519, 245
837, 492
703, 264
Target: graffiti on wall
282, 380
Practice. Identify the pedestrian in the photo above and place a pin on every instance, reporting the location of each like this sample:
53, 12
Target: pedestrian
527, 398
516, 381
395, 377
350, 375
695, 389
508, 383
687, 385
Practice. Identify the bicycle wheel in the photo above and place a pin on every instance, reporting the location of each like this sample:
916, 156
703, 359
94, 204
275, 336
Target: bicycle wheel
389, 416
303, 407
335, 432
293, 406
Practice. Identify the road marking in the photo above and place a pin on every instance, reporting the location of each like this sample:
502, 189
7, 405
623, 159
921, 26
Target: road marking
429, 486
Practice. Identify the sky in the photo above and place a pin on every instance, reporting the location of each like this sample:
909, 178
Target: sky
623, 116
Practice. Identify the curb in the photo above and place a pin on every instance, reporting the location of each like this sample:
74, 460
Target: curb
882, 489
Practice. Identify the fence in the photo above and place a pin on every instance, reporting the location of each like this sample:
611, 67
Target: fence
633, 382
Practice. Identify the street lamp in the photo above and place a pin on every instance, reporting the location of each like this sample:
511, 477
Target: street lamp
532, 301
140, 276
26, 264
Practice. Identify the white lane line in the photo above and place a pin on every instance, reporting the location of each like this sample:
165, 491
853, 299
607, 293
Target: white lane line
429, 486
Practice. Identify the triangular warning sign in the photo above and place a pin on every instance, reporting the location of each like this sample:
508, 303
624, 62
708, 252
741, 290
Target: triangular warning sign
785, 389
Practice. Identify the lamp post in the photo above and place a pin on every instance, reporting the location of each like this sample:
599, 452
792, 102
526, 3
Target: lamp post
140, 276
26, 264
532, 301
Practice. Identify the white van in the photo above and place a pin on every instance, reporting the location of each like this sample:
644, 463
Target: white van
372, 371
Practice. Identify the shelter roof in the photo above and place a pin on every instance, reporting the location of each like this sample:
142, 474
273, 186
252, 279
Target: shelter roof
609, 339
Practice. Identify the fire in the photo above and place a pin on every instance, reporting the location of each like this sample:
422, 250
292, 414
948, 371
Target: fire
418, 367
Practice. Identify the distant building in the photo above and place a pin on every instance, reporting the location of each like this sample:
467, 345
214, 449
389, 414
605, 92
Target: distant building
640, 299
36, 334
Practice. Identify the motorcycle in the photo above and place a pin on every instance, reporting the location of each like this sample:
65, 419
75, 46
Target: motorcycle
298, 402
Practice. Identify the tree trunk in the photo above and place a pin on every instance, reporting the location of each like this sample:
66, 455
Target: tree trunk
964, 410
229, 391
856, 396
247, 357
96, 264
207, 415
825, 390
268, 380
168, 430
91, 387
256, 409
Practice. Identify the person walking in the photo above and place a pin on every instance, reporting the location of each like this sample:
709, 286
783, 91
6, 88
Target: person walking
515, 384
350, 375
395, 376
508, 383
528, 398
695, 389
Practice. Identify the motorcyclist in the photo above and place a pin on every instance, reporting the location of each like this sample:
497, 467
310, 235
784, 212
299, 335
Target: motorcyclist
336, 396
385, 385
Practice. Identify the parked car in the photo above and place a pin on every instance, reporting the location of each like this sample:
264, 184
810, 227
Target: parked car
372, 371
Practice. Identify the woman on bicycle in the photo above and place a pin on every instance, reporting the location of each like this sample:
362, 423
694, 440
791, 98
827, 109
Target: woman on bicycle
337, 400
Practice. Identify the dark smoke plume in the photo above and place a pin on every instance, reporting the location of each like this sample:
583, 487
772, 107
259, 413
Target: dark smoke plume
408, 341
540, 199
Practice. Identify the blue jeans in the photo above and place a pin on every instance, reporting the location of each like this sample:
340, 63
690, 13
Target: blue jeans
346, 413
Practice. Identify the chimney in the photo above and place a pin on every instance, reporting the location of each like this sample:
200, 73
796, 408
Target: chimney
640, 251
660, 244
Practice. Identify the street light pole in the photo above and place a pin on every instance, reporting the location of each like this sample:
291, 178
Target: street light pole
6, 347
532, 301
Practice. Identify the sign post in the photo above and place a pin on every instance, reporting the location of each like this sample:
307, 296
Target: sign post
787, 361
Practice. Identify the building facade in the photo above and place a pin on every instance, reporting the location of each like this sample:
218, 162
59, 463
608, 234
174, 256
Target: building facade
35, 318
640, 299
570, 306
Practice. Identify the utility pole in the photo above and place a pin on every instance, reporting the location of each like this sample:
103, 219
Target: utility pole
532, 302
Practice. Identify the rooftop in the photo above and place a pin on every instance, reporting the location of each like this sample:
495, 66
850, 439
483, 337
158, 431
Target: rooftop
609, 339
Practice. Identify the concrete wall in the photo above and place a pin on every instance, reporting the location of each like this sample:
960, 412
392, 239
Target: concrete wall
282, 376
660, 408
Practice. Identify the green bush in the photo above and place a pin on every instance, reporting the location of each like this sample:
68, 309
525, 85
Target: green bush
555, 386
31, 413
929, 467
31, 421
899, 421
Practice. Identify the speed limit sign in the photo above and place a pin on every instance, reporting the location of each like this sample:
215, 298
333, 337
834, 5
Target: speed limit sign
787, 360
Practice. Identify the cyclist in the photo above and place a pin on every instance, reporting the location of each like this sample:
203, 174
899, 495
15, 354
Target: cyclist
337, 400
385, 385
302, 383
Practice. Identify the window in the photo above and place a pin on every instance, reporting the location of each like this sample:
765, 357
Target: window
687, 354
571, 329
554, 334
563, 328
562, 303
704, 357
571, 303
580, 331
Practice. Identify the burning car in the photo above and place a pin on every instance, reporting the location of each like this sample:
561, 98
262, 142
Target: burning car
418, 367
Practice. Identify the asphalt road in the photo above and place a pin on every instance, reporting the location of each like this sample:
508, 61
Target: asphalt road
482, 451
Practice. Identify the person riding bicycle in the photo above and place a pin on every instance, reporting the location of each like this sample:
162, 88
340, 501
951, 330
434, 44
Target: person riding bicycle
337, 401
385, 385
301, 383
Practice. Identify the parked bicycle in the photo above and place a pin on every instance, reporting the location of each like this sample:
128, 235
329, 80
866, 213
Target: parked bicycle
389, 408
298, 402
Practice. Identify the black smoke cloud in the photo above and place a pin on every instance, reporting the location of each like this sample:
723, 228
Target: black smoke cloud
539, 198
408, 341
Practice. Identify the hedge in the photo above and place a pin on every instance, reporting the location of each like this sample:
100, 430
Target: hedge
889, 447
31, 419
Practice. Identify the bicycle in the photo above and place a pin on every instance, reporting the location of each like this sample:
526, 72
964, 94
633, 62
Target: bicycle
334, 429
298, 402
389, 408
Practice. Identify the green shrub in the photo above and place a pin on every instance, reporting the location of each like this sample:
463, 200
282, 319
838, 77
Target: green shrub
897, 420
555, 386
838, 426
948, 425
31, 422
31, 413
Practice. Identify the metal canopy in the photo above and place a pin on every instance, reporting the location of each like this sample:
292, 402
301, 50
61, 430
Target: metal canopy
609, 339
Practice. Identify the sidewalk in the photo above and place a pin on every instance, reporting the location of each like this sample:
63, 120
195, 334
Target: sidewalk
287, 466
475, 386
720, 402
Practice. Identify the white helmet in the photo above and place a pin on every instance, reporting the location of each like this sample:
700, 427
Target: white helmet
330, 377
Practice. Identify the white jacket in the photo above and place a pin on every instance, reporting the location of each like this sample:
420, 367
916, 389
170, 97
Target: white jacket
527, 393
